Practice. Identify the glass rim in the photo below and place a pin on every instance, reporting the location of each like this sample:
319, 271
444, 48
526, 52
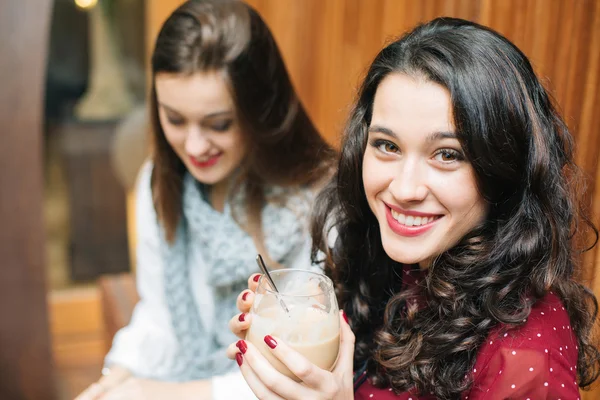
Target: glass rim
263, 278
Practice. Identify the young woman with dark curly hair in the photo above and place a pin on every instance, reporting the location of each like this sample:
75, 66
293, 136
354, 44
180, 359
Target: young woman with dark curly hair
455, 218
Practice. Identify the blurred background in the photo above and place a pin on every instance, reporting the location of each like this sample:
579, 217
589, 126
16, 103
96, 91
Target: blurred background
74, 133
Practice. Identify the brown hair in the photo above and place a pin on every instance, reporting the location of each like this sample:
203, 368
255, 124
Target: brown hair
285, 148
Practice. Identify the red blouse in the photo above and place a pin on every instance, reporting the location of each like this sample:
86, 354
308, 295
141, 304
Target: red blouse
537, 360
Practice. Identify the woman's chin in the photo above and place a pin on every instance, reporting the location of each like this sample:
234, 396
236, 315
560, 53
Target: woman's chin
402, 258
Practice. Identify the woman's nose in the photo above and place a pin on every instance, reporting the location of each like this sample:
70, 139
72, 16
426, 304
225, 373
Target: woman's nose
409, 183
197, 143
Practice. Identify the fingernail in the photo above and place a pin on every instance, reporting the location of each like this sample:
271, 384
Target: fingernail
239, 359
270, 341
242, 346
242, 317
345, 317
256, 278
244, 296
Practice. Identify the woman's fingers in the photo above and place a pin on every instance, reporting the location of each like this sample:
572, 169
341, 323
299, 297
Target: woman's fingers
244, 300
313, 376
240, 324
118, 394
268, 376
256, 385
232, 351
253, 282
345, 363
93, 392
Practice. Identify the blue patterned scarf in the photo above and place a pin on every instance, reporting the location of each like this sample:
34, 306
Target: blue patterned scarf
229, 252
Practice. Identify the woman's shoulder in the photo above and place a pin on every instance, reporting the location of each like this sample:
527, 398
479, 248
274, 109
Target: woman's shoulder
144, 177
539, 355
298, 199
547, 329
144, 199
548, 321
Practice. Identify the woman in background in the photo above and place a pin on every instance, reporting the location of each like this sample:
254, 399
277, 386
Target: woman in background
235, 164
455, 214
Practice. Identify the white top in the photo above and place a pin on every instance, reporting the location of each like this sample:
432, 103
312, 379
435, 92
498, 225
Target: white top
150, 331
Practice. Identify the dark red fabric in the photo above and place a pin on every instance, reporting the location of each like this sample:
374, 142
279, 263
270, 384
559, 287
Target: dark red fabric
536, 361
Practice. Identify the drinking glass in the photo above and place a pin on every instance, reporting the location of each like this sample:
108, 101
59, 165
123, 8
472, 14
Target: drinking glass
304, 314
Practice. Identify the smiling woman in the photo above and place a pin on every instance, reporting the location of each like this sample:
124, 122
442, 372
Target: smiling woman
455, 212
200, 123
235, 165
455, 260
412, 169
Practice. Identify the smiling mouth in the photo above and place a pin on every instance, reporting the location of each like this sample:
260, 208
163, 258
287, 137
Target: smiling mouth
410, 225
410, 220
209, 162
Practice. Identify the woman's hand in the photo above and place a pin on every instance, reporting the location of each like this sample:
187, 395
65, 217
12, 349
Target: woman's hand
95, 391
241, 322
268, 383
144, 389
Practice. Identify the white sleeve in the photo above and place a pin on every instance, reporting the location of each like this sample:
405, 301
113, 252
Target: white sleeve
231, 386
147, 345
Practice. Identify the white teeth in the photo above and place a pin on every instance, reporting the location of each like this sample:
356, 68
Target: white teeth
401, 218
410, 220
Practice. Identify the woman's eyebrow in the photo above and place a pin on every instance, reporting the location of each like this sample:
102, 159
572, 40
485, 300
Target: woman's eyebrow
432, 137
382, 129
435, 136
218, 114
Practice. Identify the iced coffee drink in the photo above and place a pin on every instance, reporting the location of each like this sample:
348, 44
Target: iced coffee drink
304, 314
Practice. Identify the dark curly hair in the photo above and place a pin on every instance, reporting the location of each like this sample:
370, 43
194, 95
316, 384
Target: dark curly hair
522, 155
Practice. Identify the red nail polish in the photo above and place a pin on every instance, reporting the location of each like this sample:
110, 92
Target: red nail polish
239, 359
345, 317
242, 346
270, 341
256, 278
242, 317
244, 296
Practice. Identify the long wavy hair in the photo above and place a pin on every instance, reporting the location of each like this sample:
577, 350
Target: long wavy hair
285, 148
522, 155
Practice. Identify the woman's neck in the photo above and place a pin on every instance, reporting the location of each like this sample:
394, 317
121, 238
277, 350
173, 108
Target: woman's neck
218, 194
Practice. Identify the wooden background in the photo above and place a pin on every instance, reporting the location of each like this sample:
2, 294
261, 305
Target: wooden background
328, 44
25, 358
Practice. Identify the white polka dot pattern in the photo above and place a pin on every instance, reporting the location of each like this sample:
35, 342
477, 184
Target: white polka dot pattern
537, 360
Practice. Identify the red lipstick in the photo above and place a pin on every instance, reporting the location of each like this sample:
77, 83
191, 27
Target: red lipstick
409, 231
205, 164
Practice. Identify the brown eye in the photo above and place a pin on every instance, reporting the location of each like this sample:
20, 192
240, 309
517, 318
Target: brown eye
390, 148
385, 146
448, 156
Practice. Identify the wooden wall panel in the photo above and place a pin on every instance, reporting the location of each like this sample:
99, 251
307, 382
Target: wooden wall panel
25, 357
157, 12
328, 44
